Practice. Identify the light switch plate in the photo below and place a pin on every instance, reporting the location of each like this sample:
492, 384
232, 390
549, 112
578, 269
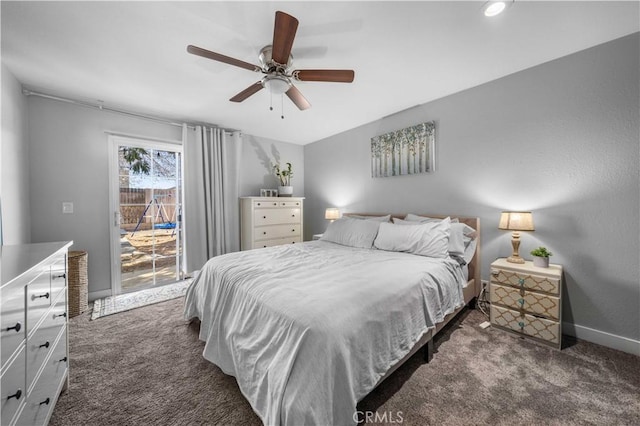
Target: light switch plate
67, 207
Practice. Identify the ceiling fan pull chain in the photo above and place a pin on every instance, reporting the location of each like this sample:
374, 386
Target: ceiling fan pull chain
282, 106
270, 100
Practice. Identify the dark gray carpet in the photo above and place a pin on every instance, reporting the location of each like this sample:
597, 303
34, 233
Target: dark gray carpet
144, 367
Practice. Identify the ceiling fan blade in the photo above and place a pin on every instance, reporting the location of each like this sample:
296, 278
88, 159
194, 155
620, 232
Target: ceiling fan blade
296, 96
284, 32
337, 76
254, 88
194, 50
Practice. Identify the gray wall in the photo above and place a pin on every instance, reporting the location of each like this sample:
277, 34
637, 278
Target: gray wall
259, 154
68, 159
68, 156
14, 165
560, 139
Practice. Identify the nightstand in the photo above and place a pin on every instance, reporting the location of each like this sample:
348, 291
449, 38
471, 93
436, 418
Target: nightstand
316, 236
527, 300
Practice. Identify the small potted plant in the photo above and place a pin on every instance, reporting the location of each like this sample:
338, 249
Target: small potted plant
284, 176
541, 257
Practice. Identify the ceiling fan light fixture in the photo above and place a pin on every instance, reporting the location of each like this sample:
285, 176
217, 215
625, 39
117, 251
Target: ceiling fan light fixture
276, 84
494, 8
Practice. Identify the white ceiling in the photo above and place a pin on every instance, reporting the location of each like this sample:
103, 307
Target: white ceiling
133, 54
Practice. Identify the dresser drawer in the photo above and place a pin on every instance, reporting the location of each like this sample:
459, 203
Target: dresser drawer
12, 383
277, 242
529, 325
276, 216
38, 295
290, 204
58, 274
276, 231
549, 285
40, 343
42, 398
535, 303
266, 204
11, 320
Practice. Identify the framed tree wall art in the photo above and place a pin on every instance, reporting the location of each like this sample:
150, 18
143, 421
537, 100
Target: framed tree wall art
404, 152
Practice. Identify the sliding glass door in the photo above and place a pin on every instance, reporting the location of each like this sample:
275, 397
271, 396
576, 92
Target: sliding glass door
146, 207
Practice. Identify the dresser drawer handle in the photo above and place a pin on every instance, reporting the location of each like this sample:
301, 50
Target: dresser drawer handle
521, 302
264, 217
259, 204
275, 204
46, 296
45, 402
521, 281
16, 327
44, 345
293, 215
264, 233
63, 359
293, 230
521, 324
16, 395
64, 314
60, 276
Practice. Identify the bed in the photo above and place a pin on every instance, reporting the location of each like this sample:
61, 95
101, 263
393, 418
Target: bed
309, 329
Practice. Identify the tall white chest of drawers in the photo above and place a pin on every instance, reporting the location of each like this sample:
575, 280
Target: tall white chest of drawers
34, 331
270, 221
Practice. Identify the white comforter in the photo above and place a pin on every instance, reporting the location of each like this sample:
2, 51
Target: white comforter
309, 329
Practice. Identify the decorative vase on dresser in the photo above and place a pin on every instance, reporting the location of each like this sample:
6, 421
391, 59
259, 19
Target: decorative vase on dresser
34, 333
527, 300
270, 221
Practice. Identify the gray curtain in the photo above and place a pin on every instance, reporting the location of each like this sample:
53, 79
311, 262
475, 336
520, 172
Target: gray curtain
210, 205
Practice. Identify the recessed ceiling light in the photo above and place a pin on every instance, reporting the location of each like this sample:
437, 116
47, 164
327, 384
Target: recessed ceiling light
493, 8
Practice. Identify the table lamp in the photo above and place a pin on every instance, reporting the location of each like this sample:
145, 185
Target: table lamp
516, 221
332, 214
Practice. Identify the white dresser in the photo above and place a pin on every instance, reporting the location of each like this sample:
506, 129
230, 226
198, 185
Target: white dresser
270, 221
34, 345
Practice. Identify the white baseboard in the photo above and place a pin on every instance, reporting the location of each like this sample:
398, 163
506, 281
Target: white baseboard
609, 340
93, 295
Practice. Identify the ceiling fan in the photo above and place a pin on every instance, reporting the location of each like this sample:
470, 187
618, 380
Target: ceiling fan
276, 62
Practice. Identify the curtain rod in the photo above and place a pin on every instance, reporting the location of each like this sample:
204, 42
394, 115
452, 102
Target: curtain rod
101, 107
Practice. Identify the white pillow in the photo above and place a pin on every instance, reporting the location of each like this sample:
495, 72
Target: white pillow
459, 236
424, 219
351, 232
428, 239
386, 218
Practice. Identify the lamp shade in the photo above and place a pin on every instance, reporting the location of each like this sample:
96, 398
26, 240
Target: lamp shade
332, 213
516, 221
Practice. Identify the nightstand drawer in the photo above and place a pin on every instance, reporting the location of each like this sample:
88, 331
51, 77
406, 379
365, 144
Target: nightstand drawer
529, 325
535, 303
523, 280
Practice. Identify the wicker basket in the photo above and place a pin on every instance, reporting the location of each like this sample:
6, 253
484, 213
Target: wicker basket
78, 292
